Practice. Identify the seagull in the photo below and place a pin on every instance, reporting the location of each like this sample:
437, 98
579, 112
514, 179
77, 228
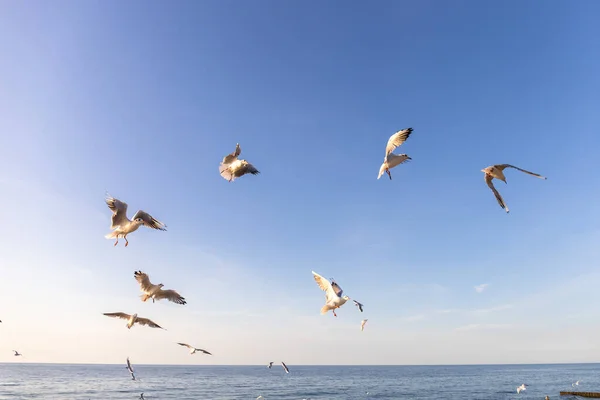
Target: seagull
123, 226
232, 168
134, 319
575, 384
497, 171
153, 292
333, 294
17, 353
142, 396
270, 364
392, 160
362, 324
259, 397
130, 369
193, 349
521, 388
359, 305
285, 368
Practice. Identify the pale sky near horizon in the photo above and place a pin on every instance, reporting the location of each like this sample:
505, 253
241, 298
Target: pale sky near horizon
144, 99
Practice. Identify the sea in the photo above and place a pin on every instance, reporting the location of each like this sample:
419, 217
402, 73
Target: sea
83, 382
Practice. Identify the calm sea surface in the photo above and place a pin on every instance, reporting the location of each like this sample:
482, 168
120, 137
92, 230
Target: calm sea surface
67, 382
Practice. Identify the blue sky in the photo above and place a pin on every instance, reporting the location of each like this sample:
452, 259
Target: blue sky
144, 99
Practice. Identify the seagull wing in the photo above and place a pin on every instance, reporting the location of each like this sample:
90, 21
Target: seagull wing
185, 345
229, 158
488, 180
129, 366
337, 289
121, 315
286, 369
119, 209
325, 285
148, 322
503, 166
381, 170
397, 139
144, 281
170, 295
248, 168
149, 220
204, 351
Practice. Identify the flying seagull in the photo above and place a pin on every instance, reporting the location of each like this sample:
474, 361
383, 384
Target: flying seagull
362, 324
142, 396
130, 369
497, 171
17, 353
575, 384
392, 160
134, 319
285, 368
333, 294
359, 305
122, 226
193, 349
521, 388
231, 167
270, 364
153, 292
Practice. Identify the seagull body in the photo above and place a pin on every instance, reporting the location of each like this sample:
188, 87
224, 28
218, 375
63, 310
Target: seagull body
333, 294
359, 305
497, 171
270, 365
134, 319
392, 160
362, 324
521, 388
231, 167
153, 292
575, 384
122, 226
285, 368
193, 349
130, 369
17, 354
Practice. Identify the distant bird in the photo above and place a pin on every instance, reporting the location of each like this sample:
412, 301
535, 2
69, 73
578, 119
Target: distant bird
142, 396
193, 349
231, 167
123, 226
153, 292
362, 324
17, 354
270, 364
259, 397
392, 160
333, 294
285, 368
130, 369
521, 388
575, 384
133, 319
359, 305
496, 171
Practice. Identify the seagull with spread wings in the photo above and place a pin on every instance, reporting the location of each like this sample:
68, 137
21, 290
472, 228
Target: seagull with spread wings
122, 226
497, 171
194, 349
521, 388
392, 160
134, 319
285, 368
17, 354
270, 365
358, 305
333, 294
130, 369
231, 167
153, 292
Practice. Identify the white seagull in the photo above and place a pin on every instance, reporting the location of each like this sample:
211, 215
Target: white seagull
575, 384
285, 368
17, 353
496, 171
193, 349
122, 226
153, 292
231, 167
333, 294
130, 369
521, 388
392, 160
359, 305
362, 324
270, 365
134, 319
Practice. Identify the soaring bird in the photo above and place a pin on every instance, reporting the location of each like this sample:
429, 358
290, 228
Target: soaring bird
231, 167
130, 369
359, 305
270, 365
122, 226
17, 354
575, 384
497, 171
193, 349
362, 324
521, 388
392, 160
134, 319
153, 292
333, 294
285, 368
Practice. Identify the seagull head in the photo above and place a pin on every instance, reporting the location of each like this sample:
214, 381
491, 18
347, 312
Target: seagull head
160, 285
134, 316
139, 221
346, 298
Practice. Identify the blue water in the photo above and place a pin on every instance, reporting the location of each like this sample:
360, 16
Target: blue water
74, 382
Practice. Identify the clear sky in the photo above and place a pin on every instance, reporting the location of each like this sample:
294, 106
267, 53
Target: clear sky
143, 99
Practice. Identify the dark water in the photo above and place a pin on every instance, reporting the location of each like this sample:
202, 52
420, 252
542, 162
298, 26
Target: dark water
66, 382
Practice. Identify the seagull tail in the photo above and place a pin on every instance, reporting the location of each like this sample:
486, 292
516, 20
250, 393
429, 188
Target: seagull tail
324, 310
111, 235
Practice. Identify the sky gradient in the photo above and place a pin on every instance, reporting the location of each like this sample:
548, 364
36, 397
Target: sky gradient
144, 99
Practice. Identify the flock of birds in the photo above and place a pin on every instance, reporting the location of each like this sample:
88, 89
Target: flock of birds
231, 168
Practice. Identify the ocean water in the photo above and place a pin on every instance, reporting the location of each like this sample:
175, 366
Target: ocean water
74, 382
